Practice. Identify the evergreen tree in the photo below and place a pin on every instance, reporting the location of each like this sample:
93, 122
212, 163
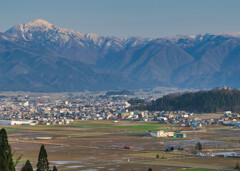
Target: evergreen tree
54, 168
42, 164
199, 146
27, 166
6, 161
237, 167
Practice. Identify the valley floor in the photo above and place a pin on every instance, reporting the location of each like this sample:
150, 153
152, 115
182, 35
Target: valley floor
99, 145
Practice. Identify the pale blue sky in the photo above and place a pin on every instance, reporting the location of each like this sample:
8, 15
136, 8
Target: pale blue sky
145, 18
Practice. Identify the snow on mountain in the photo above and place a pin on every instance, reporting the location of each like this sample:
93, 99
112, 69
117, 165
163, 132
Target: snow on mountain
233, 34
43, 31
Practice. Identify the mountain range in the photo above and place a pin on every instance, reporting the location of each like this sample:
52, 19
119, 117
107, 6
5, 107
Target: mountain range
39, 56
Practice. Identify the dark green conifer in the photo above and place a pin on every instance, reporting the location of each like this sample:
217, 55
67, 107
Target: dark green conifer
237, 167
6, 161
199, 146
42, 164
27, 166
54, 168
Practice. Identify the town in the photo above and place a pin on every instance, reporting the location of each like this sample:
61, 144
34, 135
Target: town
58, 109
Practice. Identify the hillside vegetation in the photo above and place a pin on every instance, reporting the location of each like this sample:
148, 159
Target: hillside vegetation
217, 100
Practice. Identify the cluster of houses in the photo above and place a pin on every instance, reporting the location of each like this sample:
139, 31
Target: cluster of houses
182, 118
162, 116
58, 109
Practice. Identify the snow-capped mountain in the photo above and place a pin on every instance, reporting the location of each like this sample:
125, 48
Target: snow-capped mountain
44, 33
39, 56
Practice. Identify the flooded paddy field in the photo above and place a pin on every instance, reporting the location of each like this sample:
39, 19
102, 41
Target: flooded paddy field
99, 145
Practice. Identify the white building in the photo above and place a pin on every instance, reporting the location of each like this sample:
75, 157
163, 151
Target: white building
227, 112
11, 122
160, 133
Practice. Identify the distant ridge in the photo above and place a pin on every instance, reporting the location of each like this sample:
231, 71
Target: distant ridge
39, 56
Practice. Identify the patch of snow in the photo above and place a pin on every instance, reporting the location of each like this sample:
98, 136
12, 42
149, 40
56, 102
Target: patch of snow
65, 162
74, 166
39, 23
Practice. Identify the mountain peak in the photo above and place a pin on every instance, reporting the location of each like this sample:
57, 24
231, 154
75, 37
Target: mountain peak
26, 30
39, 23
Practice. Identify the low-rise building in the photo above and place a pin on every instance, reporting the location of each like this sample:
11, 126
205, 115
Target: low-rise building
160, 133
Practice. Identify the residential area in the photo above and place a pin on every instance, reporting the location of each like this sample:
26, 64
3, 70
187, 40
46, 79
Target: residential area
59, 109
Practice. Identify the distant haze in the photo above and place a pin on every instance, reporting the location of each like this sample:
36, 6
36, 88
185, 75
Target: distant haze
153, 18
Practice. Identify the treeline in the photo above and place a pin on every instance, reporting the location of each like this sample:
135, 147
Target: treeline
216, 100
136, 101
123, 92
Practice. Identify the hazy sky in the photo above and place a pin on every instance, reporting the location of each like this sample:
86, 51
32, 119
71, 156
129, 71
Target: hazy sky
145, 18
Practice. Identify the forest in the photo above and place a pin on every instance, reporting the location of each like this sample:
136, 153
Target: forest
208, 101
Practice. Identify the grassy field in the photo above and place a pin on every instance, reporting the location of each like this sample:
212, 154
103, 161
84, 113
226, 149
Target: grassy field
129, 126
99, 145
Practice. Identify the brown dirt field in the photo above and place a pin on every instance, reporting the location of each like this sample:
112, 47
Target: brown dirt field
100, 147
